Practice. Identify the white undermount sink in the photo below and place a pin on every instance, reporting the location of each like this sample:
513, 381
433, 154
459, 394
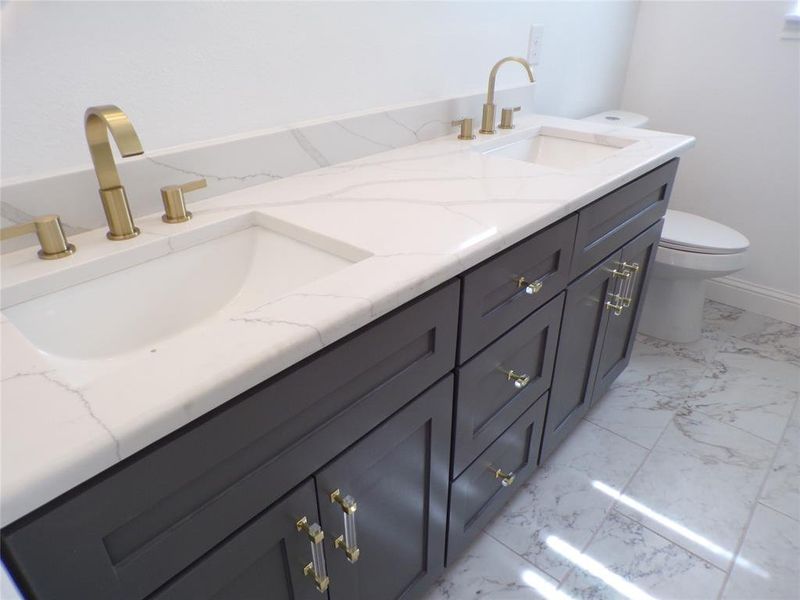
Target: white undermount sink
557, 148
229, 270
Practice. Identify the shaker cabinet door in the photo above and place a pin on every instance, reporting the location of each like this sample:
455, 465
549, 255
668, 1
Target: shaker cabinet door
391, 505
638, 256
583, 325
263, 561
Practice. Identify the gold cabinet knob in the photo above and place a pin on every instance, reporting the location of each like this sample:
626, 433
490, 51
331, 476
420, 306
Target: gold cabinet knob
520, 379
48, 229
531, 287
466, 128
507, 117
506, 478
316, 569
174, 202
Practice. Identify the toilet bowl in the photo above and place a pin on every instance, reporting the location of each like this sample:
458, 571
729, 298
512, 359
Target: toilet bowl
692, 250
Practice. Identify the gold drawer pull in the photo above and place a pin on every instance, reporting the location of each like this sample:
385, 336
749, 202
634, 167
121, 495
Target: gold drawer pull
520, 379
316, 569
347, 542
531, 287
506, 479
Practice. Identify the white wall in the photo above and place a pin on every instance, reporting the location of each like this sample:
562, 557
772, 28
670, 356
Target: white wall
192, 71
721, 72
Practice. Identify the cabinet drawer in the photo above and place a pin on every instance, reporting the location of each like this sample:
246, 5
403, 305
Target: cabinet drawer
493, 302
263, 560
613, 220
488, 402
477, 495
129, 530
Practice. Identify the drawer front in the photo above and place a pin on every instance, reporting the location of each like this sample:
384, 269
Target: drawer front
613, 220
477, 495
488, 400
125, 533
263, 561
493, 301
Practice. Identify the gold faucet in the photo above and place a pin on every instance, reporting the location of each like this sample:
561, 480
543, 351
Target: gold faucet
487, 123
99, 121
52, 241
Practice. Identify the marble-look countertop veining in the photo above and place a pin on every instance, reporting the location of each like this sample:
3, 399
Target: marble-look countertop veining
421, 214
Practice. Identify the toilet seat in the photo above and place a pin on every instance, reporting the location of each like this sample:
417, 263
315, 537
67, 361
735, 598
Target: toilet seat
692, 233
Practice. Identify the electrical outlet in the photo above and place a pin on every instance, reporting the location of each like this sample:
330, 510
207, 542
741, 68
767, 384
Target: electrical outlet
535, 44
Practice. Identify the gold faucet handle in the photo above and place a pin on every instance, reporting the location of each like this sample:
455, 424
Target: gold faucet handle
466, 128
507, 117
174, 202
48, 229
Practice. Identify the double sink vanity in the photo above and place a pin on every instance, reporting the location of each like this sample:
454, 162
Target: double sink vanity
324, 385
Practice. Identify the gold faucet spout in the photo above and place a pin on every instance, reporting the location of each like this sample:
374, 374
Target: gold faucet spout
487, 123
99, 121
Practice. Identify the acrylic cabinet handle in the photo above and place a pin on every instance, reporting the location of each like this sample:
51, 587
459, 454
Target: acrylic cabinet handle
316, 569
347, 542
627, 294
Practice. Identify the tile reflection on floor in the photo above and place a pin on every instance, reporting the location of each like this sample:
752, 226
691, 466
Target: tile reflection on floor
682, 483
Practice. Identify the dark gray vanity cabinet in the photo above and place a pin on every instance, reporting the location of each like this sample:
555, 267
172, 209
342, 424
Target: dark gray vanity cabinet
395, 444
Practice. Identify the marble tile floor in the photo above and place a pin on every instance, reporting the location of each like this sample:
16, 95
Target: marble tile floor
682, 483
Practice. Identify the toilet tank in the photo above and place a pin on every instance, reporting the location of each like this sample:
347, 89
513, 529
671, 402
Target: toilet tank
622, 118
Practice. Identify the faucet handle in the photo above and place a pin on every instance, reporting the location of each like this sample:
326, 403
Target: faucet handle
51, 236
466, 128
507, 117
174, 202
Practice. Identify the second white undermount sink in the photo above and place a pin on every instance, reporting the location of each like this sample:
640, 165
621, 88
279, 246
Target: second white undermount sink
557, 148
138, 306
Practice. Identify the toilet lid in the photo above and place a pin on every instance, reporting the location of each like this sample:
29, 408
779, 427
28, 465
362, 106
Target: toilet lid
692, 233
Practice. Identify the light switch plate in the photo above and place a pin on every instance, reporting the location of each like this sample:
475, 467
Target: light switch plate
535, 44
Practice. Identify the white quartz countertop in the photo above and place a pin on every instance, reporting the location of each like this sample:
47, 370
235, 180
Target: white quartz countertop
423, 214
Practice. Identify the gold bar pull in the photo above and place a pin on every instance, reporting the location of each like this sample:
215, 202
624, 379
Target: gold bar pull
507, 117
616, 304
466, 128
316, 569
175, 203
48, 229
347, 542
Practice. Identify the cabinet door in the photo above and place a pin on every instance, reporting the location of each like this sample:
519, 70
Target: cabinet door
582, 329
621, 330
263, 561
397, 479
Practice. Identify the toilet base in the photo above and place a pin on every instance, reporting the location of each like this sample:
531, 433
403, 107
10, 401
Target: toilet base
673, 309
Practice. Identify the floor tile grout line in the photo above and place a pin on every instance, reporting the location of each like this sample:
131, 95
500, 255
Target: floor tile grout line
673, 542
510, 549
749, 520
619, 435
777, 510
585, 547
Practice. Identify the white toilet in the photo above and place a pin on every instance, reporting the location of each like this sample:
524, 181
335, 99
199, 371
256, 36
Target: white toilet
692, 250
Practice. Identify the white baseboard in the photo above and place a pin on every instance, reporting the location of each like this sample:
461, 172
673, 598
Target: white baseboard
760, 299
